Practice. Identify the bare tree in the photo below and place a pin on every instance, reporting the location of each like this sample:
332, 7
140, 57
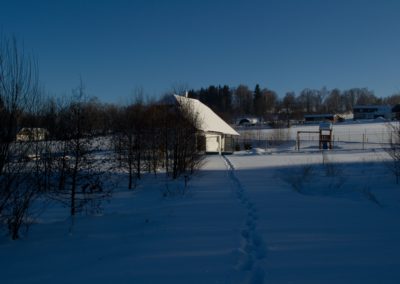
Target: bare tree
392, 100
358, 96
184, 147
77, 176
288, 104
155, 135
270, 99
129, 141
18, 95
333, 102
243, 100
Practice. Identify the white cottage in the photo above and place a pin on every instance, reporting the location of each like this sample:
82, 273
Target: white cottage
32, 134
218, 134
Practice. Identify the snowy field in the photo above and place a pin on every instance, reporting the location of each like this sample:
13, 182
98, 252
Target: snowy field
269, 215
350, 135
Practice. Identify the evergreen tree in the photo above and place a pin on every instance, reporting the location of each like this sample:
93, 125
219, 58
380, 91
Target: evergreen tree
259, 102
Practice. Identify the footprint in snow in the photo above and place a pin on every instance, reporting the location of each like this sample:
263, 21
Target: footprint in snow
252, 215
245, 261
259, 246
261, 253
245, 234
251, 224
257, 276
250, 205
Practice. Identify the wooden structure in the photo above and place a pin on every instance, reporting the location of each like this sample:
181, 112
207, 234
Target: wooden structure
325, 136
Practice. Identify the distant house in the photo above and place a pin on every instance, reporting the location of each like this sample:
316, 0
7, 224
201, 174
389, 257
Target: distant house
247, 121
32, 134
217, 133
372, 112
314, 118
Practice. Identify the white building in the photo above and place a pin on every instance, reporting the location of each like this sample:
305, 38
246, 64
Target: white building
32, 134
218, 134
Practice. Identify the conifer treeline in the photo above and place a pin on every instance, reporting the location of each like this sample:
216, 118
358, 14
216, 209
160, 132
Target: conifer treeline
232, 102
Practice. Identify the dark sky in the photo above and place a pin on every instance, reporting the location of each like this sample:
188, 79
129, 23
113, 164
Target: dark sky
285, 45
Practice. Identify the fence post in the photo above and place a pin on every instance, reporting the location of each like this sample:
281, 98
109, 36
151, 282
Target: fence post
298, 141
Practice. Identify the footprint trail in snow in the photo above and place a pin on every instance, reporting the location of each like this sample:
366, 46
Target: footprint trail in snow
253, 248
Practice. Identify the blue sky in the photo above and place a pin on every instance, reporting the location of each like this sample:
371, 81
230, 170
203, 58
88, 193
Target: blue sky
285, 45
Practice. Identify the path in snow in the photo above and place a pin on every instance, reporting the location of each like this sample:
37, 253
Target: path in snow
335, 237
142, 237
253, 248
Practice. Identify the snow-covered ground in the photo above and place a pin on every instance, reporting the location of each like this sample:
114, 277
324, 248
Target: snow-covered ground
260, 216
325, 223
350, 135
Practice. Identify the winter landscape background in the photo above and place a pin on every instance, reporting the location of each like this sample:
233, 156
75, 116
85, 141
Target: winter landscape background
104, 176
267, 215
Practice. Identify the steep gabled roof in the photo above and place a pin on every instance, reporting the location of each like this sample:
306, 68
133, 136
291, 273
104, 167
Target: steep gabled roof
209, 120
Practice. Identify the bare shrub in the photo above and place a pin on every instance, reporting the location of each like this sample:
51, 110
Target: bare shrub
371, 196
297, 179
394, 149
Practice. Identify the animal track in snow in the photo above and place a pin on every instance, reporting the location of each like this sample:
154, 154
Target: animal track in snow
253, 249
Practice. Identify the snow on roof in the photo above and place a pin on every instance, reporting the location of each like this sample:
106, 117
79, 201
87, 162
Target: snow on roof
209, 120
